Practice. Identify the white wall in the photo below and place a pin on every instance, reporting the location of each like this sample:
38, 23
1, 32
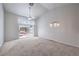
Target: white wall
68, 32
35, 28
11, 26
1, 25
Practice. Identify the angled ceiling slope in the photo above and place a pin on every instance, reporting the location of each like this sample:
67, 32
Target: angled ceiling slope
37, 10
22, 9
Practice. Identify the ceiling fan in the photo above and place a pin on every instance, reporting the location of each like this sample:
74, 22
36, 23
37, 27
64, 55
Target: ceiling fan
30, 10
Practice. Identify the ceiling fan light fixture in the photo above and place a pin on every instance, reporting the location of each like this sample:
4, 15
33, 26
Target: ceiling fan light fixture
31, 4
30, 10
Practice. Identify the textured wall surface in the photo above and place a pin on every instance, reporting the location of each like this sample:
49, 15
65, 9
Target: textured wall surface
11, 26
1, 25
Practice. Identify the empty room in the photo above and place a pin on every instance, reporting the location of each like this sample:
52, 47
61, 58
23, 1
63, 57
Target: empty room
39, 29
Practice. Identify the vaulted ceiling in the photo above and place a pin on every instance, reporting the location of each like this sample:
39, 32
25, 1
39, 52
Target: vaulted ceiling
37, 10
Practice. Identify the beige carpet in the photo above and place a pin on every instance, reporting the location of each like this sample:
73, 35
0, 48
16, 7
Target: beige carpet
37, 47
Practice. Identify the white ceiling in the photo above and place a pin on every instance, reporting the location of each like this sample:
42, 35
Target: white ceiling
53, 5
37, 10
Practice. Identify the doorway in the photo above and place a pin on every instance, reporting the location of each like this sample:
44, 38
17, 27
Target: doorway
26, 27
